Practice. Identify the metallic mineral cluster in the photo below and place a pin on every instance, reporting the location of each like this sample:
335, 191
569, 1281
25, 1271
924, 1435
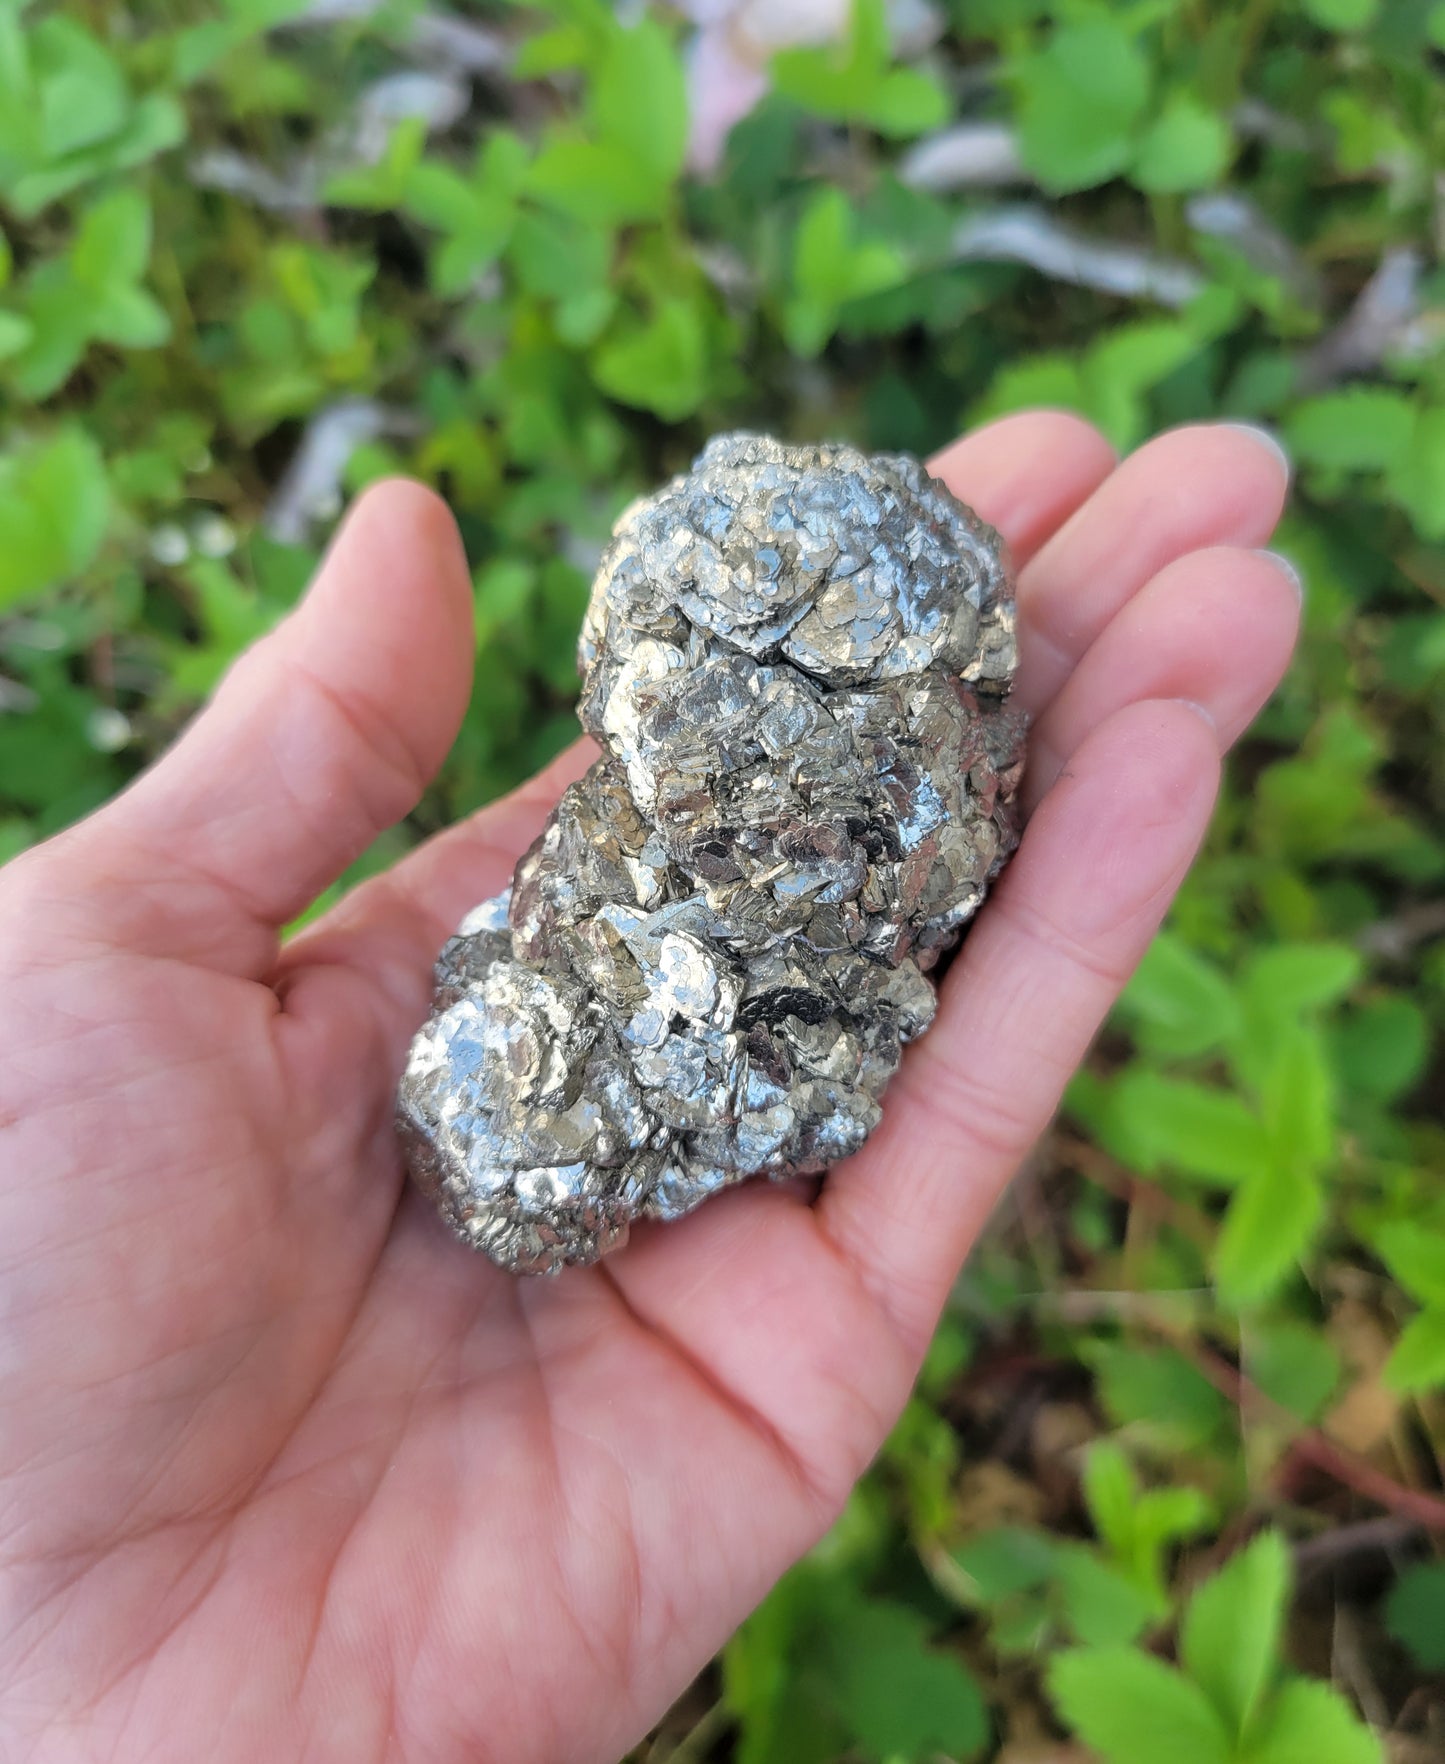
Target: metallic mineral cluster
796, 660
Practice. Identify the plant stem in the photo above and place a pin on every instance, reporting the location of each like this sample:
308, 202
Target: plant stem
1312, 1446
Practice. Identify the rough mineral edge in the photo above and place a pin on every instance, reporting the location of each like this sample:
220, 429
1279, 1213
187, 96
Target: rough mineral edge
796, 661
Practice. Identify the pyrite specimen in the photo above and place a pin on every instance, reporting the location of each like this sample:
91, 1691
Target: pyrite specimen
796, 661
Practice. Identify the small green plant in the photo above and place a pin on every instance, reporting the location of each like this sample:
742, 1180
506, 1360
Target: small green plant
1228, 1701
1036, 1590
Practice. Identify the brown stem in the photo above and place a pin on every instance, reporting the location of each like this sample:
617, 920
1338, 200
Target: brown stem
1126, 1185
1384, 1534
1311, 1446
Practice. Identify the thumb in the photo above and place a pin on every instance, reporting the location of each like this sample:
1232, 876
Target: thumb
322, 735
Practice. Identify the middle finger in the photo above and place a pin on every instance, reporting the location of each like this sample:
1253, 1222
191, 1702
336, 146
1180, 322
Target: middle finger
1211, 484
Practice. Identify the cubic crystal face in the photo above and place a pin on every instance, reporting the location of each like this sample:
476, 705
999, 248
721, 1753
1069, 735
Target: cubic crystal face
796, 661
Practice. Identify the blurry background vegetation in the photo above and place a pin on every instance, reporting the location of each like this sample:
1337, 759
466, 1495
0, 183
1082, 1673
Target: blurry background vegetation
257, 252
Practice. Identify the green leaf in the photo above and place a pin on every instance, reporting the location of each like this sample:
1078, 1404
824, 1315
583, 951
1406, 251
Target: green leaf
1280, 986
1418, 1360
760, 1681
658, 365
1362, 429
59, 315
1294, 977
16, 835
596, 181
503, 588
438, 195
854, 81
1229, 1641
1079, 100
582, 317
1125, 364
1007, 1561
1166, 1515
49, 764
1139, 1525
897, 1696
231, 616
1416, 1257
820, 1669
1415, 1613
1298, 1101
19, 109
1111, 1491
1416, 476
1158, 1391
557, 257
1132, 1709
131, 319
1308, 1723
16, 334
1342, 15
1047, 379
1102, 1607
831, 266
906, 103
54, 507
1383, 1049
1186, 147
1196, 1129
1270, 1224
1294, 1364
113, 244
639, 98
477, 211
1181, 1003
566, 45
1368, 137
84, 97
155, 123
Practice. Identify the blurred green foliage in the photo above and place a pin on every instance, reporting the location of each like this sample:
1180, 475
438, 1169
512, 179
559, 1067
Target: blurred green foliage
1216, 1306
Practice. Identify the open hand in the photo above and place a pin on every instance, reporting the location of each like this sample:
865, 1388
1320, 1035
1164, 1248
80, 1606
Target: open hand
285, 1473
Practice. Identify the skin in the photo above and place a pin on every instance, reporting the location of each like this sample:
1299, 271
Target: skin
284, 1472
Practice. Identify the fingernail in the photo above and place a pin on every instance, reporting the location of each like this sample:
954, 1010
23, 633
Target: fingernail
1287, 568
1267, 439
1199, 710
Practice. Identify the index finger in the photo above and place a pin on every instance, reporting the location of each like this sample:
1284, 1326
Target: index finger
1026, 474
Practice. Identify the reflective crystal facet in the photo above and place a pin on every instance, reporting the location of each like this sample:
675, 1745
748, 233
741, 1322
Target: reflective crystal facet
796, 662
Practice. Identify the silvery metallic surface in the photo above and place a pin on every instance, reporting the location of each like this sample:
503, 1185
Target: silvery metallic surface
796, 661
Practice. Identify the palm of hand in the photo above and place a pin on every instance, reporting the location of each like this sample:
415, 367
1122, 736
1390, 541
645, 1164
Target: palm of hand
281, 1464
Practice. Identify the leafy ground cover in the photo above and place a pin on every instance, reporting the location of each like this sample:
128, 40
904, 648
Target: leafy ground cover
1171, 1485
